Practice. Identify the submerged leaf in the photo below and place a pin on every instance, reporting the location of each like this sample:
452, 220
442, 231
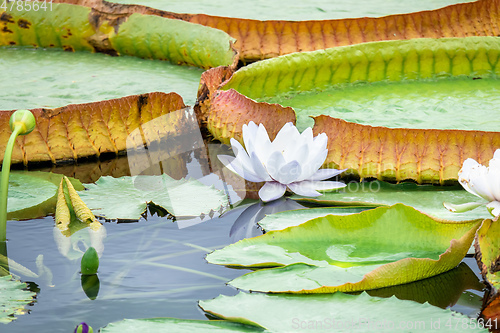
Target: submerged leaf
13, 298
336, 312
377, 248
128, 197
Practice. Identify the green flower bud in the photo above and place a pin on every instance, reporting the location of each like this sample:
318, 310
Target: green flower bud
90, 262
83, 328
23, 118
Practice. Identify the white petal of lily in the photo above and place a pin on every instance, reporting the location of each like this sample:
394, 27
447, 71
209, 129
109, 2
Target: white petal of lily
271, 191
244, 161
309, 188
274, 164
494, 208
300, 153
288, 172
287, 136
312, 165
259, 168
322, 174
494, 175
235, 166
480, 183
249, 132
469, 167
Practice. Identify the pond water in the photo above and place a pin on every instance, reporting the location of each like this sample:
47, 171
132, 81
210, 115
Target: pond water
156, 268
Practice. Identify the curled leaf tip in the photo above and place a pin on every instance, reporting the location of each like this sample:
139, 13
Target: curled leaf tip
23, 118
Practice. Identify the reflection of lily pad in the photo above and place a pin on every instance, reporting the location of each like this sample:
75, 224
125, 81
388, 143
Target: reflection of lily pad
33, 194
336, 312
425, 198
13, 298
167, 325
128, 197
381, 247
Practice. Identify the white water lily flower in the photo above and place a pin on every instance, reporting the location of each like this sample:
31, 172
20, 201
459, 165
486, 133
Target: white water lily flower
292, 161
483, 182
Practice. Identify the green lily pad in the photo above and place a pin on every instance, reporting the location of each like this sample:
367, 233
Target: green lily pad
32, 194
13, 298
377, 248
426, 198
292, 218
337, 312
128, 197
168, 325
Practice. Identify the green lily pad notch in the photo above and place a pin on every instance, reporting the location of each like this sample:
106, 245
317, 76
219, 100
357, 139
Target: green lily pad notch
377, 248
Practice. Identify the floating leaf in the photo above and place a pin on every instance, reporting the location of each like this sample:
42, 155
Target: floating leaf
77, 28
167, 325
425, 198
258, 40
128, 197
292, 218
423, 155
377, 248
82, 130
336, 312
33, 194
13, 298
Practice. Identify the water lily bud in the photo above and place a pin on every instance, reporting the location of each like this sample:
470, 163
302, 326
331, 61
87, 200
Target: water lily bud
25, 119
90, 262
83, 328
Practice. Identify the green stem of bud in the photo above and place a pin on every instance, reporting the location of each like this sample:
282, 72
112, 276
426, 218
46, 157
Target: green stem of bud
21, 126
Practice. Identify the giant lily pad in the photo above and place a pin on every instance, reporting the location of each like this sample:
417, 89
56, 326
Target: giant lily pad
128, 197
424, 155
13, 298
167, 325
76, 28
425, 198
258, 40
83, 130
336, 312
376, 248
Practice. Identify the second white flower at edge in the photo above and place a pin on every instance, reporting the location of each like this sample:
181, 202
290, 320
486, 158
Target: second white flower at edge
292, 160
483, 182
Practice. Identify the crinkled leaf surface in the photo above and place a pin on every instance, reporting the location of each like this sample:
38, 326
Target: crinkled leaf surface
376, 248
337, 312
167, 325
258, 40
408, 75
128, 197
425, 198
76, 131
33, 193
13, 298
77, 28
